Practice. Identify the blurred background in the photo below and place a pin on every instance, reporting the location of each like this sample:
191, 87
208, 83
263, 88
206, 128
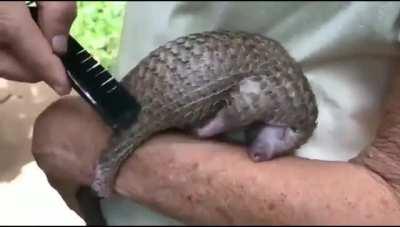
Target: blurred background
98, 28
24, 190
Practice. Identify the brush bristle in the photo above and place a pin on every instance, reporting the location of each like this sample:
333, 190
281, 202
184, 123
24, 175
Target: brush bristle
97, 86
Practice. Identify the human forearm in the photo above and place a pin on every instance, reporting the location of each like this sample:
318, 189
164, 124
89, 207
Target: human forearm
204, 182
213, 183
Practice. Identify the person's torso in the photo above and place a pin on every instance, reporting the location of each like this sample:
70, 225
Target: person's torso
347, 51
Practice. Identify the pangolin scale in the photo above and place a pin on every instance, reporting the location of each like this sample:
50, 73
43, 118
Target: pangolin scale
242, 77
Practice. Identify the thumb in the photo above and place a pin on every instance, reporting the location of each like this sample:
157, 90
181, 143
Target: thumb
55, 20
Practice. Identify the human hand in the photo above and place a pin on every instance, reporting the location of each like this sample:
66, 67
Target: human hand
29, 52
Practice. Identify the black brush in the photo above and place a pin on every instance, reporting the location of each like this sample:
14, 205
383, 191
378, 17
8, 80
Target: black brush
97, 86
114, 104
94, 83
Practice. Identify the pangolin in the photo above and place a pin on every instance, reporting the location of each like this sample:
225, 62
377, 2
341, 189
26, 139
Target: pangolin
215, 82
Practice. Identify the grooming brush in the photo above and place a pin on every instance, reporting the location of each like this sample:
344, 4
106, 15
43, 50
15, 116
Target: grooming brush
114, 104
97, 86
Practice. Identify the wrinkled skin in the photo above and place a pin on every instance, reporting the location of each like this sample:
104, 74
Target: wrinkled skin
209, 177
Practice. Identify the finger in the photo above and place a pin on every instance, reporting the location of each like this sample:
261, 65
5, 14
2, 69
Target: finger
11, 69
55, 20
23, 39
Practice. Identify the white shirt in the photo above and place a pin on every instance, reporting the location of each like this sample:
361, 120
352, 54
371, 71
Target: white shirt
347, 51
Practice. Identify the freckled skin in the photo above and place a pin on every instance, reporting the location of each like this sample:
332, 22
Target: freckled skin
212, 83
